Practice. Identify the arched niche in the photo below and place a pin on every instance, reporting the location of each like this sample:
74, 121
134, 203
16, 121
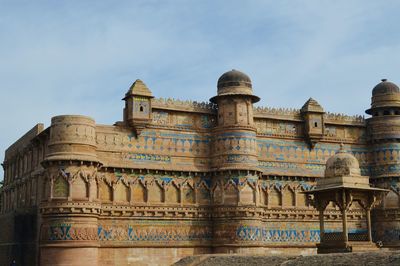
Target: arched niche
230, 194
155, 193
79, 188
121, 193
138, 193
60, 187
105, 191
188, 194
172, 194
247, 195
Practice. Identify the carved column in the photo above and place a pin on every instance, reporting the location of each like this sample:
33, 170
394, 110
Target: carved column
344, 217
368, 213
321, 224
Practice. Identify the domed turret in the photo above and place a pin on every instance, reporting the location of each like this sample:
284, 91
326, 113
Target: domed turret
383, 130
342, 170
233, 151
384, 125
232, 83
385, 98
342, 164
235, 121
234, 78
385, 87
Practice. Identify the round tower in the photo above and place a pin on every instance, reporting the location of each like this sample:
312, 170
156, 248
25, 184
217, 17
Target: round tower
235, 165
72, 137
69, 207
235, 136
384, 134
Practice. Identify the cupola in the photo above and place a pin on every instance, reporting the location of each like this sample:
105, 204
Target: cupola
385, 99
313, 115
233, 83
137, 111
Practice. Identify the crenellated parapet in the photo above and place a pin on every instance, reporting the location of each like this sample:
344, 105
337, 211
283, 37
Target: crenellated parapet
295, 115
344, 119
181, 105
277, 113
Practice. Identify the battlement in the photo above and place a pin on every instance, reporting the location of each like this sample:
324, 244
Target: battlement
344, 119
277, 113
295, 114
184, 105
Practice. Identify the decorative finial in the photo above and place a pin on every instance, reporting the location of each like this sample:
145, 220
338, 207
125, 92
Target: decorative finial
383, 80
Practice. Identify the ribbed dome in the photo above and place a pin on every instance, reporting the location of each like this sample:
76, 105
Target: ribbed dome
234, 78
385, 87
234, 83
384, 95
342, 164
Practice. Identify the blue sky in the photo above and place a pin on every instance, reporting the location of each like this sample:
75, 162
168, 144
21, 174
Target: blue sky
80, 57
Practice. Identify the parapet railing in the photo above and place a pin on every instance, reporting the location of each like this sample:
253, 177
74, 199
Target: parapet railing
338, 236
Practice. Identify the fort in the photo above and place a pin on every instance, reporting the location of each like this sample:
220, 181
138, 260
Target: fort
179, 178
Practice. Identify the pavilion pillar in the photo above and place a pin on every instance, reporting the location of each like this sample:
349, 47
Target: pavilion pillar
344, 217
369, 224
321, 224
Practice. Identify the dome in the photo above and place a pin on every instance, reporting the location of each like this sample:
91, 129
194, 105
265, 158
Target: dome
232, 83
234, 78
385, 87
342, 164
384, 95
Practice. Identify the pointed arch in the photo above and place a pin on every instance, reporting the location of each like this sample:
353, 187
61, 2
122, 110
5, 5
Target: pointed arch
60, 187
301, 198
172, 193
247, 194
288, 196
231, 193
217, 193
80, 188
138, 191
121, 192
155, 192
188, 193
275, 197
264, 192
203, 193
391, 200
105, 191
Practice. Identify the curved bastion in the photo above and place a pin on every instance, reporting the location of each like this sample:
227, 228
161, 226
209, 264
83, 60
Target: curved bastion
72, 137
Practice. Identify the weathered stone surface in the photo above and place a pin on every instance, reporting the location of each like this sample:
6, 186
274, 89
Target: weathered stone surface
348, 259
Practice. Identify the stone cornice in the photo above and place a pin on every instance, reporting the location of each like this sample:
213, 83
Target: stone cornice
167, 212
